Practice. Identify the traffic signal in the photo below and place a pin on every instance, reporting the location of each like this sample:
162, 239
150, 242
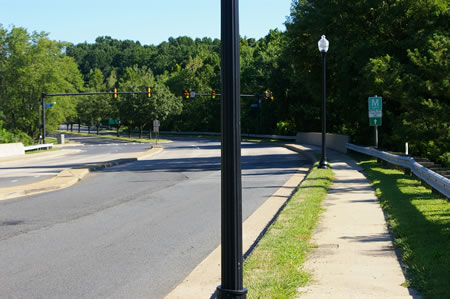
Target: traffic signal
186, 94
115, 95
266, 94
213, 94
271, 96
149, 92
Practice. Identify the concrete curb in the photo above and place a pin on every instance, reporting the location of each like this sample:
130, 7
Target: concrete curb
203, 280
309, 152
69, 177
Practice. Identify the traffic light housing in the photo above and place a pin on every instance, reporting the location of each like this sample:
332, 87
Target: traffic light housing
149, 92
115, 95
213, 94
268, 95
186, 94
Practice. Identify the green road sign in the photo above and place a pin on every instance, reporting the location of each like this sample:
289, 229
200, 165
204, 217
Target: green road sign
112, 122
375, 103
375, 121
375, 111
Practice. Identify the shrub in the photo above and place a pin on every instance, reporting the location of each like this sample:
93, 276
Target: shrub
10, 137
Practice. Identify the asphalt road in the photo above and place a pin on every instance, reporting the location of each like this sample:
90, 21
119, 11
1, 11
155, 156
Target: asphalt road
130, 231
37, 167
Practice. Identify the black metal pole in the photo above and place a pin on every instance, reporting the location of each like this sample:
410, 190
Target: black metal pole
260, 115
323, 160
43, 117
231, 185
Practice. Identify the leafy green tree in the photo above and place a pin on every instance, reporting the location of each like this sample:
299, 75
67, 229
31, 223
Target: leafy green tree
201, 75
93, 110
420, 92
30, 65
395, 49
376, 47
85, 113
260, 72
138, 110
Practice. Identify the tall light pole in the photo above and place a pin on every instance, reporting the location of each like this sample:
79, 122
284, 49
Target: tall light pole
231, 185
323, 48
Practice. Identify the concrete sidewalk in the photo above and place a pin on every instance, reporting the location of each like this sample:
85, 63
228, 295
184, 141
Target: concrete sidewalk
355, 257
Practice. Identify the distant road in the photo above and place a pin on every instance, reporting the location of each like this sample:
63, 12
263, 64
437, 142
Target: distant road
37, 167
130, 231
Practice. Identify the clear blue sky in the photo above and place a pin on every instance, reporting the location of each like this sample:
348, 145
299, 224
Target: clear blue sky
147, 21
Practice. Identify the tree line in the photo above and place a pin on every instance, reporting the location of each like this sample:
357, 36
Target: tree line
397, 49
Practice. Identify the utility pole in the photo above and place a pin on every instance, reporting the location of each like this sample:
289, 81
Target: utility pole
43, 117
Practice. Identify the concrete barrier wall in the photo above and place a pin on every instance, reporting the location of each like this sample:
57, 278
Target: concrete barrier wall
11, 149
333, 141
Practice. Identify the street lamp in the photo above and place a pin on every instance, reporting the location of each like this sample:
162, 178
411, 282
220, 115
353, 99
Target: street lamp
323, 48
231, 178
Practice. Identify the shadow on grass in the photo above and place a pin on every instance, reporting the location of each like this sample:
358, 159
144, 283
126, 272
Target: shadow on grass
420, 223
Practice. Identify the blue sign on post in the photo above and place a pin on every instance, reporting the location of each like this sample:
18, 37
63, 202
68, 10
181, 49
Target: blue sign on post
48, 105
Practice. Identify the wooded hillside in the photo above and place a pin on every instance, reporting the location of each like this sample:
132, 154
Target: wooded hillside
397, 49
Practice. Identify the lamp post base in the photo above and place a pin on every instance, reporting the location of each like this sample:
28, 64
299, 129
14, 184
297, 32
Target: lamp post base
223, 293
323, 164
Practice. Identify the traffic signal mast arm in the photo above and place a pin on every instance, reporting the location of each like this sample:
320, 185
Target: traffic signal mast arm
219, 94
91, 93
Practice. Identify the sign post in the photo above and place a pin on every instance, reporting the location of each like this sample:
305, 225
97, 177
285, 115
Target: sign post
375, 114
156, 125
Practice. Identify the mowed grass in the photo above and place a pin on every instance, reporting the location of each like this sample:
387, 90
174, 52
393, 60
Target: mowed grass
274, 269
420, 223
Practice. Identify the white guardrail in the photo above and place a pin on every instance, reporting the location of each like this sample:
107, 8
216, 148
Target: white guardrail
38, 147
436, 181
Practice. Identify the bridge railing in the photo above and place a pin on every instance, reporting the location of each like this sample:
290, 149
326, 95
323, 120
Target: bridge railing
433, 179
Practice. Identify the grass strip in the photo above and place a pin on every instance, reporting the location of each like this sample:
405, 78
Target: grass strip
420, 223
140, 140
274, 269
